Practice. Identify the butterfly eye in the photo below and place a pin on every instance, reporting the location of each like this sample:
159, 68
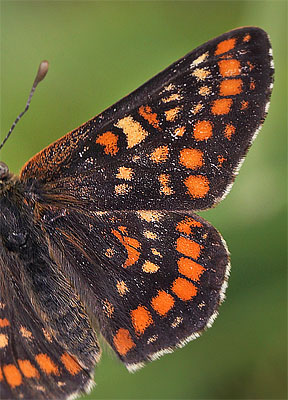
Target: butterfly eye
4, 170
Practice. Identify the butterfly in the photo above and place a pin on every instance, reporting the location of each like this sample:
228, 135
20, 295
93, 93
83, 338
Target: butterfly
99, 234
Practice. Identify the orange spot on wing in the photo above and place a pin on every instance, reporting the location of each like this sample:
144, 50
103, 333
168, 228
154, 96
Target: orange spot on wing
247, 38
230, 87
4, 322
1, 375
229, 131
250, 65
146, 113
190, 268
46, 364
27, 369
191, 158
130, 245
202, 130
172, 114
197, 185
141, 319
244, 104
188, 247
123, 341
164, 180
12, 375
70, 364
221, 106
163, 302
123, 229
221, 159
225, 46
185, 225
184, 289
229, 68
252, 85
109, 141
160, 154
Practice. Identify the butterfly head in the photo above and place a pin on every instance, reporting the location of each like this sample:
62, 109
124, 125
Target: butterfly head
4, 173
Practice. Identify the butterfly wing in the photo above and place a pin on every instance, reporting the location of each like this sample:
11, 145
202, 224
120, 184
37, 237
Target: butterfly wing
176, 142
153, 279
33, 365
48, 348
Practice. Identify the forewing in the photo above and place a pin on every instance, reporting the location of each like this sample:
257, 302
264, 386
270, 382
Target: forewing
176, 142
152, 279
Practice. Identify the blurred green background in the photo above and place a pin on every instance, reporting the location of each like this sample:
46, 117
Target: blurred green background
100, 51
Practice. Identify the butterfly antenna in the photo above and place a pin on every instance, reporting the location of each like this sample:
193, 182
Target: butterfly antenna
41, 73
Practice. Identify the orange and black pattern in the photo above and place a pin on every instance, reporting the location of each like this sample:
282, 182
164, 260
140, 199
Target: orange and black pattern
99, 234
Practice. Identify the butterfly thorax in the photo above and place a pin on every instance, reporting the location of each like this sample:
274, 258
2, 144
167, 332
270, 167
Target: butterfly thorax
25, 257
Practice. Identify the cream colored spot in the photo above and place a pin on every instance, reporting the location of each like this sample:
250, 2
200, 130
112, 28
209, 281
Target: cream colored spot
174, 96
149, 267
122, 288
200, 58
152, 339
204, 90
150, 235
47, 335
133, 130
25, 333
172, 114
136, 158
201, 73
60, 384
201, 305
169, 87
125, 173
122, 189
164, 184
109, 252
197, 108
108, 308
160, 154
180, 131
2, 305
177, 321
3, 340
41, 388
150, 216
156, 252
